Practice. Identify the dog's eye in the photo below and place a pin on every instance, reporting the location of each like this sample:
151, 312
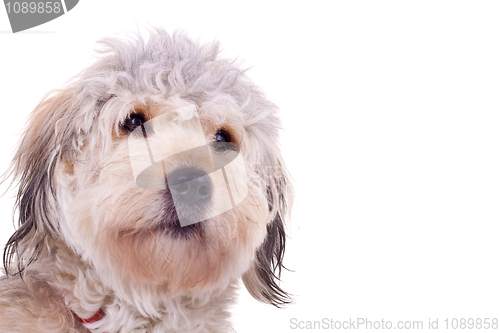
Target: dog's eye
132, 122
222, 142
222, 136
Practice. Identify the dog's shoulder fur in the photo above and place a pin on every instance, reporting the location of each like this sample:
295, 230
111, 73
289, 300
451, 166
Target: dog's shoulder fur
42, 307
30, 302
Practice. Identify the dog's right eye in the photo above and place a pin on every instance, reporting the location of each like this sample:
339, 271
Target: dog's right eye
132, 122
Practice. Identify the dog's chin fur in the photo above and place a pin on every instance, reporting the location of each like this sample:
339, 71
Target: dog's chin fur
90, 239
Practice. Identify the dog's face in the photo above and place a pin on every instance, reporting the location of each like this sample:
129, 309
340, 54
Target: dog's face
82, 157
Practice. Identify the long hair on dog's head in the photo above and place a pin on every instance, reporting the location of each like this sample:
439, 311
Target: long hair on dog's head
72, 148
263, 277
33, 166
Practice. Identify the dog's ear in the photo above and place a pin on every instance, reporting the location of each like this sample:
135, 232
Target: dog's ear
262, 279
33, 168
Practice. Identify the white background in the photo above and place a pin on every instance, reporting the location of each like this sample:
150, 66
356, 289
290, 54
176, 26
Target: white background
391, 132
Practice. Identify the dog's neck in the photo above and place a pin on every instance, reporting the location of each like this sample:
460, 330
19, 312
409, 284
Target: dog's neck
87, 297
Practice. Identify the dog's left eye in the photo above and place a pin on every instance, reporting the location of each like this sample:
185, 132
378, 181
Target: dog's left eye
132, 122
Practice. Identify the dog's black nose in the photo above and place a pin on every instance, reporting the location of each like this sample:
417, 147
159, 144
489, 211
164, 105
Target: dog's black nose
190, 185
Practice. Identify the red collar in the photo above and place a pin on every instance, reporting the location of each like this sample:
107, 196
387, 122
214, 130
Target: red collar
98, 316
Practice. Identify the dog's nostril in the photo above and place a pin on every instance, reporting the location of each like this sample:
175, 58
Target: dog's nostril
204, 190
190, 185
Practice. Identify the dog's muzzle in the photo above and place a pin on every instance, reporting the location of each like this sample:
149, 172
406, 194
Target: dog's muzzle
197, 194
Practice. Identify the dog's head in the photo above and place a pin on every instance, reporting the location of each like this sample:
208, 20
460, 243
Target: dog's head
160, 166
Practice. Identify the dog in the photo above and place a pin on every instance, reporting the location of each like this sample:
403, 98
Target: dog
149, 187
